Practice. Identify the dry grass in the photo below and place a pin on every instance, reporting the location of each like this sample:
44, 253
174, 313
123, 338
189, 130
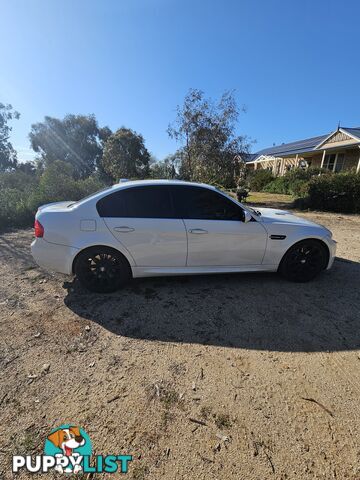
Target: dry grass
269, 199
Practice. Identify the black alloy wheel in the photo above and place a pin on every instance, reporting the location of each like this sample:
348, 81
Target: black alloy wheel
102, 269
304, 261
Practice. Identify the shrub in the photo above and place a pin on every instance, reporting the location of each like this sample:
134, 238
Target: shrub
15, 188
295, 182
88, 186
278, 185
241, 190
13, 209
18, 180
21, 194
301, 174
56, 184
259, 179
241, 194
299, 188
338, 192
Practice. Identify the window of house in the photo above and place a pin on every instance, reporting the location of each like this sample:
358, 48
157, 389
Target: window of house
340, 162
329, 161
334, 162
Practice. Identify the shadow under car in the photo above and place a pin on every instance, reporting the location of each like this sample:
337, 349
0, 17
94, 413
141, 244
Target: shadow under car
253, 311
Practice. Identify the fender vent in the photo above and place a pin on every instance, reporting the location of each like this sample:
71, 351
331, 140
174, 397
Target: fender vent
277, 237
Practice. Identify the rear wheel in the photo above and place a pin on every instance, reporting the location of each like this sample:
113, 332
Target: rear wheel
304, 261
102, 269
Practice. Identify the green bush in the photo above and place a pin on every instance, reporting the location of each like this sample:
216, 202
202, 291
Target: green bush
88, 186
21, 194
57, 184
338, 192
278, 185
295, 182
13, 209
15, 189
299, 188
301, 174
18, 180
259, 179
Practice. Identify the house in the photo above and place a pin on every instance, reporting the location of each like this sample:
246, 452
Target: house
337, 151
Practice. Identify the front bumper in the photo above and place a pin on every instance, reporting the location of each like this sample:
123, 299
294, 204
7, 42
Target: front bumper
332, 249
53, 257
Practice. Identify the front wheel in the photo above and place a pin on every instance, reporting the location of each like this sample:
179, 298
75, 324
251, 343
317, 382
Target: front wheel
304, 261
102, 269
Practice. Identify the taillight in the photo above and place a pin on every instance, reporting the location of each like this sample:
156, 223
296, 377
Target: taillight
39, 229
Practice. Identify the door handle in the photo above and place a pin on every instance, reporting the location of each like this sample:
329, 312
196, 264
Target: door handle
124, 229
198, 231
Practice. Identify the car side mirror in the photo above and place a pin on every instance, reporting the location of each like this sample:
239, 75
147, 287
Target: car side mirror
247, 216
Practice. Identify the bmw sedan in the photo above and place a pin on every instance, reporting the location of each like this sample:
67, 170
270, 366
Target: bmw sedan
168, 227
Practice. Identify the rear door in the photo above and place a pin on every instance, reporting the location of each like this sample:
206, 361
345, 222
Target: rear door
142, 219
217, 233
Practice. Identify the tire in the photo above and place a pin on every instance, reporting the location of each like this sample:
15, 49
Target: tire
102, 269
304, 261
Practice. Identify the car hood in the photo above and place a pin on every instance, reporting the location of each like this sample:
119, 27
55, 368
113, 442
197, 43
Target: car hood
55, 206
271, 215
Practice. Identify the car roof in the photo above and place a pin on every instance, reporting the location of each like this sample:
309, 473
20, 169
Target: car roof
136, 183
145, 183
126, 183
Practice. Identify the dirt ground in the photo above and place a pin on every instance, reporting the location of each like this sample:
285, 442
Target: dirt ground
244, 377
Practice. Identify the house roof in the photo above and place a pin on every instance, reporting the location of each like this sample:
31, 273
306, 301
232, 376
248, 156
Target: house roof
302, 146
353, 131
249, 157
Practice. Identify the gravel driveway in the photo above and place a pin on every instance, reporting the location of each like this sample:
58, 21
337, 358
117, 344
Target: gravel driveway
240, 376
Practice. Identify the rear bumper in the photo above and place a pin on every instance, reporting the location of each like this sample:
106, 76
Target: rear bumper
53, 257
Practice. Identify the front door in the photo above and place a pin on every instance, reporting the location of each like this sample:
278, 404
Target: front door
217, 233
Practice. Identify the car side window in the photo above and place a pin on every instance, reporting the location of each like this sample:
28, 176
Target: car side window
137, 202
204, 204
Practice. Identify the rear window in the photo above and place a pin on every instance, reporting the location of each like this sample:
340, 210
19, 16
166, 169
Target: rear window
88, 197
137, 202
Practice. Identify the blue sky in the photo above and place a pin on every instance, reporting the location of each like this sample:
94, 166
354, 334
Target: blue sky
294, 64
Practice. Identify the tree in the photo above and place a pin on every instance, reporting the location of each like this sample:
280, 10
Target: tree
27, 167
206, 131
8, 159
166, 168
125, 155
77, 140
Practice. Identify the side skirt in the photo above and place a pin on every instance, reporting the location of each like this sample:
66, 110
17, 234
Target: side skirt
174, 271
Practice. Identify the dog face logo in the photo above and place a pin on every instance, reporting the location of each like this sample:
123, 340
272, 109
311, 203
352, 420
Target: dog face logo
67, 439
68, 444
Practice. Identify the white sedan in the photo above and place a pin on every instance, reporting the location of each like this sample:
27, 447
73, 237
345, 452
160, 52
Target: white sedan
161, 227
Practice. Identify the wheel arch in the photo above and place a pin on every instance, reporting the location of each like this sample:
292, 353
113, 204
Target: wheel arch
90, 247
314, 239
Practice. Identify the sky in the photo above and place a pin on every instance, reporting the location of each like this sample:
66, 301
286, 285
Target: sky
294, 64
